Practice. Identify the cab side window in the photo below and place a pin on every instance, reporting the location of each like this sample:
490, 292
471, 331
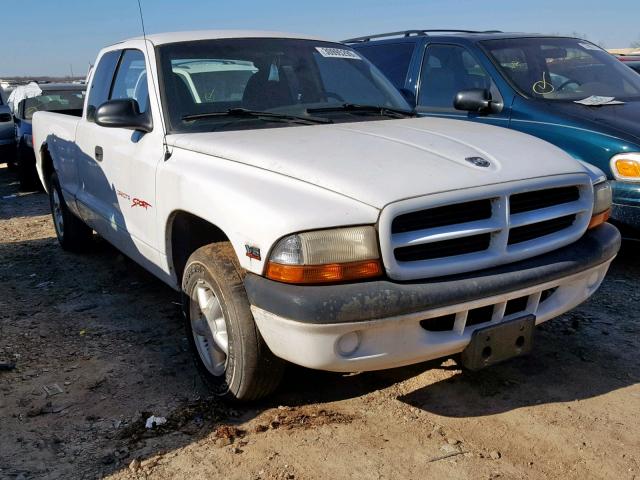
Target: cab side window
101, 82
131, 79
446, 70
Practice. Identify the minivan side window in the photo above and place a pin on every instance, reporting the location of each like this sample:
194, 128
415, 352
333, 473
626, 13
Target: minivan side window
101, 83
131, 79
446, 70
392, 59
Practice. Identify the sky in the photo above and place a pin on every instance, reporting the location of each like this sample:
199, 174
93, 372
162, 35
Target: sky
55, 37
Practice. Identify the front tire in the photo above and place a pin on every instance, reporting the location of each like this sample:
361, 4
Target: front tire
73, 234
229, 352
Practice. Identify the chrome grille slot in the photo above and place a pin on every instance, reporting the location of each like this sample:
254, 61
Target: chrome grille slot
456, 232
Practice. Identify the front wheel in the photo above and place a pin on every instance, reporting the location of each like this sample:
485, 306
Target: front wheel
73, 234
228, 350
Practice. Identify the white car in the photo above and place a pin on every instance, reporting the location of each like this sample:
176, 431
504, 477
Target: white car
307, 216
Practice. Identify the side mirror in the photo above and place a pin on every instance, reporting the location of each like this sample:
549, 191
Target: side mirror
409, 96
5, 117
473, 100
123, 113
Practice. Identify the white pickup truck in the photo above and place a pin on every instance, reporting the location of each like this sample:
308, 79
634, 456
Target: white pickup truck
283, 185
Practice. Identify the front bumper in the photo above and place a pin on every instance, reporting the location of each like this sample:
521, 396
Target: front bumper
382, 324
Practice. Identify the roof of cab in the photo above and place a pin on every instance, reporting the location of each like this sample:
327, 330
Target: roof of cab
175, 37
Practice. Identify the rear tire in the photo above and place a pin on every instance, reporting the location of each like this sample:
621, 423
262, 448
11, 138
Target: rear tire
73, 234
229, 352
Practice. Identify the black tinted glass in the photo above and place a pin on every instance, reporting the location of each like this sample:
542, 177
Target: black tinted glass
393, 59
131, 79
101, 83
283, 76
563, 69
446, 70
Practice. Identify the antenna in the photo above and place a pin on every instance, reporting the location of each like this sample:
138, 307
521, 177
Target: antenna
167, 153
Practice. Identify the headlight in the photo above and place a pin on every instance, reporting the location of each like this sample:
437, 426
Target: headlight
602, 197
626, 167
602, 200
323, 256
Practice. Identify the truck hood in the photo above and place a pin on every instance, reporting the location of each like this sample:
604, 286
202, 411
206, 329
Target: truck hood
379, 162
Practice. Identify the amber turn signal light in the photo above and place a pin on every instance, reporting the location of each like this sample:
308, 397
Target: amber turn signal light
628, 168
599, 219
332, 273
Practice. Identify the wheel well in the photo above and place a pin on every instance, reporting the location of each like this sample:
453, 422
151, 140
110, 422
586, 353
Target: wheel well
47, 166
188, 233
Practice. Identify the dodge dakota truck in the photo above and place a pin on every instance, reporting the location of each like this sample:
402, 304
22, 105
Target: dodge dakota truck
285, 187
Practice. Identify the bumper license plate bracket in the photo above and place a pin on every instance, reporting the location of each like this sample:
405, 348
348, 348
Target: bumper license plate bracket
497, 343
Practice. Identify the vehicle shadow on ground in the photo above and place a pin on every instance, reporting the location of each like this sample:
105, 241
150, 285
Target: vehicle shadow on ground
14, 203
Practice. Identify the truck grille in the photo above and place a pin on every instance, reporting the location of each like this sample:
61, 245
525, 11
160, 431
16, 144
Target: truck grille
457, 232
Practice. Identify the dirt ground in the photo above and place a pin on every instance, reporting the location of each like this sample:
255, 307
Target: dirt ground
98, 346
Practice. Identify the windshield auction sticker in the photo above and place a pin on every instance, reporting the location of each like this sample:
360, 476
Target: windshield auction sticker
338, 53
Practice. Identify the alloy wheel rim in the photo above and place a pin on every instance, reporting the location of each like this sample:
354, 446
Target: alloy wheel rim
209, 329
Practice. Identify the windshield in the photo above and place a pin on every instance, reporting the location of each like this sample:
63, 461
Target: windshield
566, 69
54, 101
283, 76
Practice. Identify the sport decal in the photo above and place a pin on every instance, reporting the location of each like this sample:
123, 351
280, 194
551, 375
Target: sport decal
140, 203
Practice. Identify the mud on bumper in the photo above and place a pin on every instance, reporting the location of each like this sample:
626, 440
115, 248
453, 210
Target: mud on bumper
383, 324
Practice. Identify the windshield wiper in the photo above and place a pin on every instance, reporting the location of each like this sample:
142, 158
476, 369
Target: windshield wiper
353, 107
271, 116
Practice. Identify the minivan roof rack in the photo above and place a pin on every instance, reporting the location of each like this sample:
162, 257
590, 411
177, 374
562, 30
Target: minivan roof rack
409, 33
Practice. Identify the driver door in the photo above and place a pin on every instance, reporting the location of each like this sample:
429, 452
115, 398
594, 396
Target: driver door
119, 175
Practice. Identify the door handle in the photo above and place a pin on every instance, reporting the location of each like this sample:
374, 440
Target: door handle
99, 154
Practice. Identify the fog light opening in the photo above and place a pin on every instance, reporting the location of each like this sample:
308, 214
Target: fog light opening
348, 343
